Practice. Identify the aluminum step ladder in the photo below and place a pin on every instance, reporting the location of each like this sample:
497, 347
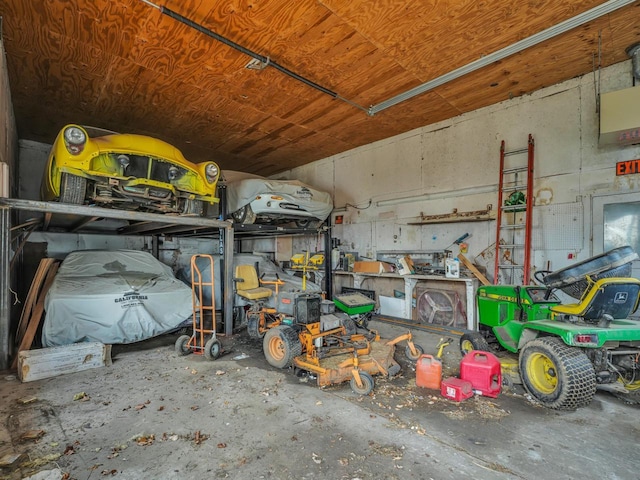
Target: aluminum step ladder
514, 217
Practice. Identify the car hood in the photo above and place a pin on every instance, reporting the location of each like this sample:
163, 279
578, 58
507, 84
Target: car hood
244, 188
140, 145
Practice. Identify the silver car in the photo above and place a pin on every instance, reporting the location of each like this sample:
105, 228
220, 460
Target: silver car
255, 199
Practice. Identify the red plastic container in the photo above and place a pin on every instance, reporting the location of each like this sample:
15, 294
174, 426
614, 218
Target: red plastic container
456, 389
483, 370
428, 372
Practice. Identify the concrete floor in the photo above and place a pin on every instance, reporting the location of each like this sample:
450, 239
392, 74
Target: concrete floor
153, 414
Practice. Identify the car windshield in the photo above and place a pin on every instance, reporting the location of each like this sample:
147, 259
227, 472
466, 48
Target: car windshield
95, 132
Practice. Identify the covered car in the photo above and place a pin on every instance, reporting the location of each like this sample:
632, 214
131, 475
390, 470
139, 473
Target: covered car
91, 165
255, 199
113, 296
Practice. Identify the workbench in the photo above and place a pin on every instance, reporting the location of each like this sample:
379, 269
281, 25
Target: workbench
384, 282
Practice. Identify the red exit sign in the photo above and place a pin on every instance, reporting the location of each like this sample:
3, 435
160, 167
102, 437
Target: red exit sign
628, 167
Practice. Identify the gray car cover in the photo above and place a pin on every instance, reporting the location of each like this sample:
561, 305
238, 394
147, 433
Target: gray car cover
119, 296
242, 189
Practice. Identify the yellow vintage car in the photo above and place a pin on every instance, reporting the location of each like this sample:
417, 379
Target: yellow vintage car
132, 172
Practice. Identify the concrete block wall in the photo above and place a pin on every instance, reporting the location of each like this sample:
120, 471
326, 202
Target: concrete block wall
381, 188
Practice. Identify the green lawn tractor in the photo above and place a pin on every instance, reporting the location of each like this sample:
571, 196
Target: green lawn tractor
567, 351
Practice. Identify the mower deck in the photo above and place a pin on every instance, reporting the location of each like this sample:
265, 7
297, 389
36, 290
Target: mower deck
338, 368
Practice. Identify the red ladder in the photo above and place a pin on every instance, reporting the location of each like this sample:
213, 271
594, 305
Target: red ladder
513, 235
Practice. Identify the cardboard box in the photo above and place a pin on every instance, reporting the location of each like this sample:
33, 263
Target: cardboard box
405, 266
372, 267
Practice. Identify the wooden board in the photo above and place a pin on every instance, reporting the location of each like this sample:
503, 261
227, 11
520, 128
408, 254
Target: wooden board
32, 296
54, 361
36, 315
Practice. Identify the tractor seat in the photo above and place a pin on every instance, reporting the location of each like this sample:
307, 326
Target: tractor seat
247, 284
617, 297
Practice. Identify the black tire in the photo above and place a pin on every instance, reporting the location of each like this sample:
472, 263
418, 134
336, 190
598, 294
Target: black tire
307, 223
281, 345
473, 341
73, 189
193, 208
181, 345
253, 326
557, 375
367, 384
239, 316
212, 349
411, 356
244, 215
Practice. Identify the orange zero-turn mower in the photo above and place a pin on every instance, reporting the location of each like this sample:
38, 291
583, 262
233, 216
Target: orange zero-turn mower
326, 346
203, 341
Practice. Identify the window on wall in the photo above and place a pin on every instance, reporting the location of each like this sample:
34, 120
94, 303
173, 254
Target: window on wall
622, 225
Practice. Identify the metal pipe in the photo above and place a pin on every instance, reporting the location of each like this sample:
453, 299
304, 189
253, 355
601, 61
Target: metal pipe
540, 37
264, 60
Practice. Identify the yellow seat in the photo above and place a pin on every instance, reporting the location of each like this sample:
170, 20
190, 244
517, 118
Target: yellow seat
247, 284
617, 297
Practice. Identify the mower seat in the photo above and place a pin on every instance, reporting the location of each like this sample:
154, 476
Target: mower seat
617, 297
247, 284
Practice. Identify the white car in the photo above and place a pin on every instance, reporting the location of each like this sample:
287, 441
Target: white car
113, 296
255, 199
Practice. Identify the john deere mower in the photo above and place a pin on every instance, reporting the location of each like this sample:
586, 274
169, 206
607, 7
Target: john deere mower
567, 351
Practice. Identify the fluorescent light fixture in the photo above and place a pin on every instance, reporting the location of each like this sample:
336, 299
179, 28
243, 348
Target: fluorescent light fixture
562, 27
439, 195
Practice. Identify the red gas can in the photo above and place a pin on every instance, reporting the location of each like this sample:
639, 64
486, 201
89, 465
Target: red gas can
456, 389
482, 369
428, 372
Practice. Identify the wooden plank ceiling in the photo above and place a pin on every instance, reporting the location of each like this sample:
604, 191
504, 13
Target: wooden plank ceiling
123, 65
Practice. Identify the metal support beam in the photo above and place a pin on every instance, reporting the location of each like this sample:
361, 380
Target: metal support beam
328, 272
226, 235
5, 308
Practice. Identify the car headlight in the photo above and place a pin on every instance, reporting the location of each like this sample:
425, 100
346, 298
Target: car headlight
74, 140
211, 171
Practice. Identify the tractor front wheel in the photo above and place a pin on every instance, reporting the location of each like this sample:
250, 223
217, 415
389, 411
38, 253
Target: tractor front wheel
473, 341
367, 384
557, 375
281, 345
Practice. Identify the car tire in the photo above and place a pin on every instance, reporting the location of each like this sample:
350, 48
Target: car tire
244, 215
73, 189
557, 375
307, 223
193, 208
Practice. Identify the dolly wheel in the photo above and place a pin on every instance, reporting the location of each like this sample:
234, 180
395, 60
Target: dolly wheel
473, 341
410, 355
557, 375
181, 345
281, 345
212, 349
367, 384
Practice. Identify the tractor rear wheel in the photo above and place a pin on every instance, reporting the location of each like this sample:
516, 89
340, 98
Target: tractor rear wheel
557, 375
281, 345
473, 341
